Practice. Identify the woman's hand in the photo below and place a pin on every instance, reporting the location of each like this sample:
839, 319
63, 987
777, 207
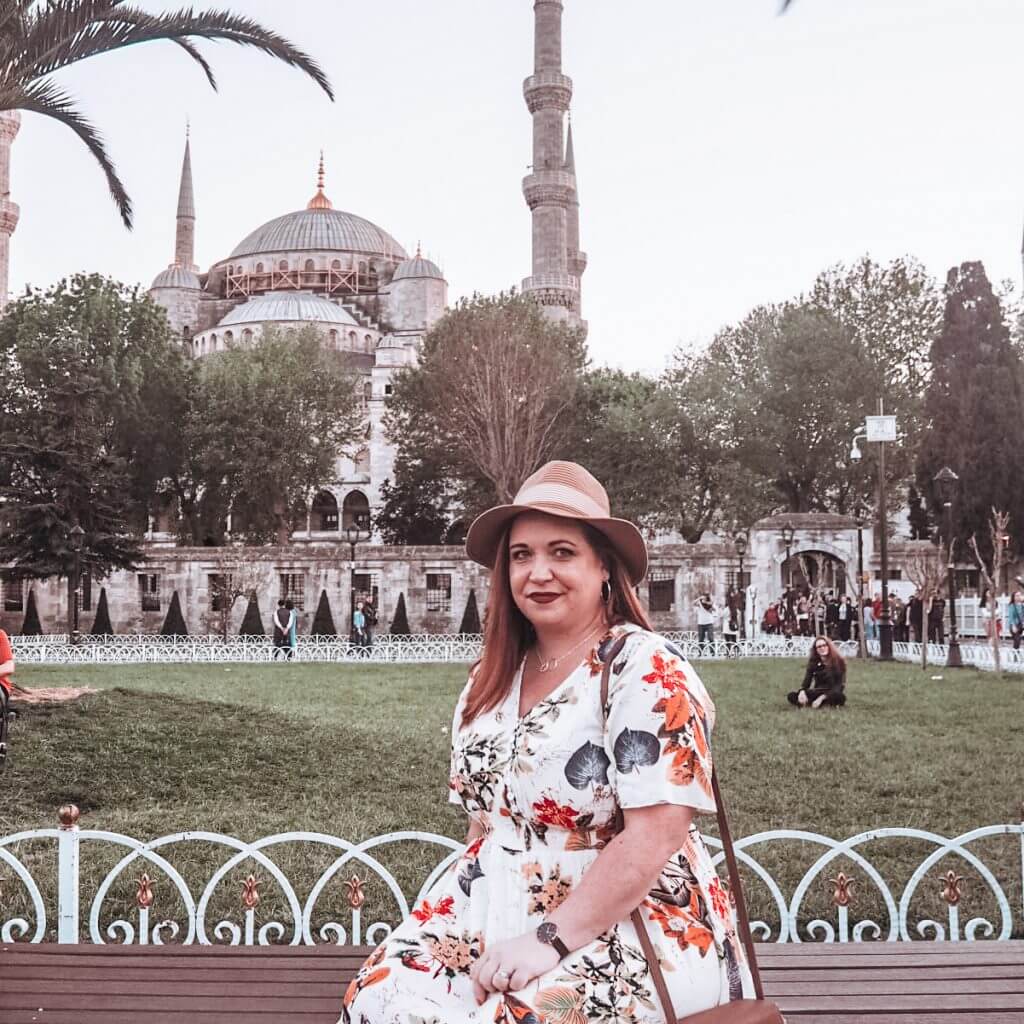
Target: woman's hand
511, 965
802, 698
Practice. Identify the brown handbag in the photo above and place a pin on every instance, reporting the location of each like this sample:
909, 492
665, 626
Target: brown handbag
740, 1011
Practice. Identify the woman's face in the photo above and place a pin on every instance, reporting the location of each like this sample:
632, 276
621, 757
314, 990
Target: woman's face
554, 573
821, 647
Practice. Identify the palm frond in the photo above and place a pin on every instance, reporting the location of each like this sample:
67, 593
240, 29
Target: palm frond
74, 30
194, 53
46, 98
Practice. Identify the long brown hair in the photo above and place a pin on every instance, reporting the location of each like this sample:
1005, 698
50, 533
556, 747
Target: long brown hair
508, 633
834, 657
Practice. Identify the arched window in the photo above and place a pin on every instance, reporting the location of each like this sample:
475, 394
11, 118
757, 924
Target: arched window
309, 267
259, 268
355, 511
283, 265
325, 511
352, 341
369, 343
332, 338
368, 390
247, 336
228, 338
335, 264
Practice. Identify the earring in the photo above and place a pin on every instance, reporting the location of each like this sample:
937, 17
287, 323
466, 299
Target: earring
606, 592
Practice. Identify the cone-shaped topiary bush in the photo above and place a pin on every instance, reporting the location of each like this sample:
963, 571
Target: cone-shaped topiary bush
470, 617
323, 621
31, 626
101, 625
400, 623
252, 624
174, 624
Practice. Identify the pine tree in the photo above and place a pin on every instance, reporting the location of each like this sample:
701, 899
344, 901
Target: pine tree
470, 617
400, 623
252, 623
174, 623
323, 620
31, 626
101, 625
974, 405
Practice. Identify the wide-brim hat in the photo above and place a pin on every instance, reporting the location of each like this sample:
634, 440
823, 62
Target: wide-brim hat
567, 490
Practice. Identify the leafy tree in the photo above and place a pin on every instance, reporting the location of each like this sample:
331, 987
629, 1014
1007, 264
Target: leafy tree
267, 423
917, 515
470, 625
101, 624
40, 39
31, 626
400, 623
490, 399
323, 620
252, 622
89, 416
415, 506
174, 622
974, 406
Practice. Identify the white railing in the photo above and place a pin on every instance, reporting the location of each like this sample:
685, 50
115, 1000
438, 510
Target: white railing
975, 655
386, 649
950, 880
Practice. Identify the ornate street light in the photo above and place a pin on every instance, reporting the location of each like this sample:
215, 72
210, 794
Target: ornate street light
740, 540
76, 535
788, 533
355, 534
946, 482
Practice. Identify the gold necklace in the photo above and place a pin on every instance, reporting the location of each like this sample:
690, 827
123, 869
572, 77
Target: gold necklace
546, 666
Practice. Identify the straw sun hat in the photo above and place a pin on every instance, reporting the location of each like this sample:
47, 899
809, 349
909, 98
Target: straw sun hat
560, 489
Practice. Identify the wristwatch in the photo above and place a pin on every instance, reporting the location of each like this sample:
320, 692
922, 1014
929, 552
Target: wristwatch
547, 932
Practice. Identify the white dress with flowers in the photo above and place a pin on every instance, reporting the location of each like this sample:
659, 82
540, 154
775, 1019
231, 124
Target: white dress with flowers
545, 788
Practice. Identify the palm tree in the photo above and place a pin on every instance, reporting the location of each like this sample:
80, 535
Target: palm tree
38, 39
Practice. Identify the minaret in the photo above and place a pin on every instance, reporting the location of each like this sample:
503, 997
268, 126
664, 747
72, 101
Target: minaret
550, 190
185, 236
576, 260
10, 122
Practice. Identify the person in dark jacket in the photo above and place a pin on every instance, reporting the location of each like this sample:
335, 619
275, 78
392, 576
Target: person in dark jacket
915, 616
824, 684
936, 624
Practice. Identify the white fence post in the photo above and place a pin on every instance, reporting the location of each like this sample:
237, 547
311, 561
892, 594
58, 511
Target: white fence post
67, 874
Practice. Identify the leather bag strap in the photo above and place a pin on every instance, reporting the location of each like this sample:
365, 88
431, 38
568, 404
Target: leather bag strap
736, 886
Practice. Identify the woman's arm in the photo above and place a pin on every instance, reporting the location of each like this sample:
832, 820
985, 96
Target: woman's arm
476, 830
7, 668
611, 888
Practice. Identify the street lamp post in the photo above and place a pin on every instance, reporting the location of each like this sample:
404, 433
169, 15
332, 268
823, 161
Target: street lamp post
740, 540
862, 644
946, 482
354, 534
76, 536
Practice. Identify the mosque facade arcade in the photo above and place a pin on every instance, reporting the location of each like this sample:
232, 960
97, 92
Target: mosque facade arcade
315, 266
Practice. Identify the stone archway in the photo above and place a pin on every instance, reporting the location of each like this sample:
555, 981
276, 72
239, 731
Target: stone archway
814, 569
325, 512
355, 511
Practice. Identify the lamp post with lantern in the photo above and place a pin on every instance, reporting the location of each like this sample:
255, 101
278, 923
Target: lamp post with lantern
862, 646
880, 429
788, 533
946, 483
355, 534
76, 536
740, 540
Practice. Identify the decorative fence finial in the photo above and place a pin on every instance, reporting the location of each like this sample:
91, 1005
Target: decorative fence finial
68, 816
843, 892
144, 896
356, 896
251, 892
953, 888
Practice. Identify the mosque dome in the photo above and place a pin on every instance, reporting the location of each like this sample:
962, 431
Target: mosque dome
176, 276
418, 266
289, 307
320, 226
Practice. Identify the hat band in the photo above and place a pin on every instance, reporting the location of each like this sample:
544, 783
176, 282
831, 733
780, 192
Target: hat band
567, 500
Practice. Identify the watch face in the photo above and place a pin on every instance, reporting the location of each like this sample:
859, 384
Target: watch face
546, 931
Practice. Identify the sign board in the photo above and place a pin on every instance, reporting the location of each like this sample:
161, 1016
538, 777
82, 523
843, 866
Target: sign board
880, 428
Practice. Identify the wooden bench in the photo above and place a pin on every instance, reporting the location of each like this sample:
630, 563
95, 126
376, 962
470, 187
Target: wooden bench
880, 983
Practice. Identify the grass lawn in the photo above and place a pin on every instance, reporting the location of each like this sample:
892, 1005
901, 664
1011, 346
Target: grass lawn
358, 750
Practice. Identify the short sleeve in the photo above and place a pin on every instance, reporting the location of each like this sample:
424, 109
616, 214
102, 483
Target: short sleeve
659, 726
6, 654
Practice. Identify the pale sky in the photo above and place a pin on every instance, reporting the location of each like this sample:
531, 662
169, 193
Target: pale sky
725, 155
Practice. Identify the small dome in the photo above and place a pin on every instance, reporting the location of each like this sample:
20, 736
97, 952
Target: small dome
289, 307
176, 276
418, 266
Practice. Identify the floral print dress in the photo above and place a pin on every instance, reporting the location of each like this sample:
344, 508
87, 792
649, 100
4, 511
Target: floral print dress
545, 788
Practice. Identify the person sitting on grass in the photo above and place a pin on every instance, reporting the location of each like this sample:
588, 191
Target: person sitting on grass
824, 684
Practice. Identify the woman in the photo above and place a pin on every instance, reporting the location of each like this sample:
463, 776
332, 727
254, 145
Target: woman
824, 684
1014, 618
532, 922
